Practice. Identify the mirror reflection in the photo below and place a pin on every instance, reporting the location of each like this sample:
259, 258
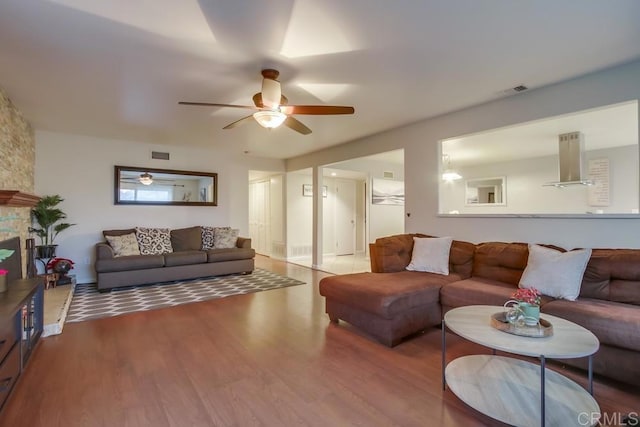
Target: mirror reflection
149, 186
485, 191
575, 164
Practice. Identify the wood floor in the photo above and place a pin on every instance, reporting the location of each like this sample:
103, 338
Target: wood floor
266, 359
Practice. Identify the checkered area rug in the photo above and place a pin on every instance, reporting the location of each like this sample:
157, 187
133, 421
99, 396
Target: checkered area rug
88, 303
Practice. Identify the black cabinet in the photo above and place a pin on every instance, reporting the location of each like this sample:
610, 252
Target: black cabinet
21, 324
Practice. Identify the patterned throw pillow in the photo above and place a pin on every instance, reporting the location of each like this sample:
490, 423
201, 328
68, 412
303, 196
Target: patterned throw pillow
207, 238
154, 241
225, 237
124, 245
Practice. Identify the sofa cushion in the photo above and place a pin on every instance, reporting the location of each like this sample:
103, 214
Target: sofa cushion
431, 254
613, 323
614, 275
393, 254
124, 244
186, 239
476, 290
555, 273
128, 263
185, 258
121, 232
224, 237
153, 241
229, 254
385, 294
500, 261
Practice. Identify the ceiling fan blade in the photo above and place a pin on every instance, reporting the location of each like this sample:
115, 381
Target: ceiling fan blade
257, 99
296, 125
208, 104
316, 109
238, 122
271, 93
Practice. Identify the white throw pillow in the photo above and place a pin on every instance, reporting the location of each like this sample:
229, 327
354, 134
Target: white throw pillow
431, 254
124, 245
554, 273
225, 237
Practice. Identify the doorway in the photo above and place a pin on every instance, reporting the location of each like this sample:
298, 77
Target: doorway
345, 217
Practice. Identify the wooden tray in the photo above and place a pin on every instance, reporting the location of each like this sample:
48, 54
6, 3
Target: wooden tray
543, 329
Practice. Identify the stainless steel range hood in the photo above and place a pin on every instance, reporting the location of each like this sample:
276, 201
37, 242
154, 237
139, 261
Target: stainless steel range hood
570, 161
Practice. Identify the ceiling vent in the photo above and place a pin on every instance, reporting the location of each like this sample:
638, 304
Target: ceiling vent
512, 90
387, 175
570, 160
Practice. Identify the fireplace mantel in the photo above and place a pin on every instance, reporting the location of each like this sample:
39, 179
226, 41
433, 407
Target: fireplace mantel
17, 199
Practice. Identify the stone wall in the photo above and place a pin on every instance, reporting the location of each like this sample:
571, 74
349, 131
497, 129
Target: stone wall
17, 163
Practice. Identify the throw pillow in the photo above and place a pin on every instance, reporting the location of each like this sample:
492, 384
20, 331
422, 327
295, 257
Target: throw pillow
124, 244
224, 237
186, 239
154, 241
431, 254
554, 273
207, 237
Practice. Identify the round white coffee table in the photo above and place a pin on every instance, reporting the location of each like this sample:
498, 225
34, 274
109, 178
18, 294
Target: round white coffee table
515, 391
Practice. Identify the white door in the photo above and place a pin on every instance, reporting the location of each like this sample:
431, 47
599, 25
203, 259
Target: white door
345, 222
259, 211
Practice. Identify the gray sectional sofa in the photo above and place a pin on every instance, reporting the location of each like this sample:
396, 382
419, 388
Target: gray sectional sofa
187, 258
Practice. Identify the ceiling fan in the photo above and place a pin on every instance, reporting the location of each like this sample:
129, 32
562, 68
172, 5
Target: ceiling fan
272, 109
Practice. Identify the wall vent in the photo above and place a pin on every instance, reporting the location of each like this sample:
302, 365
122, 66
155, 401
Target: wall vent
278, 250
159, 155
387, 175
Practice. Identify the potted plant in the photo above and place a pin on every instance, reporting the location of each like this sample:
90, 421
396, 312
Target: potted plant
48, 217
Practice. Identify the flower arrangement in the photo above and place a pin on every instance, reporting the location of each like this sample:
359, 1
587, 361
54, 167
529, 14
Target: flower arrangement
530, 296
4, 272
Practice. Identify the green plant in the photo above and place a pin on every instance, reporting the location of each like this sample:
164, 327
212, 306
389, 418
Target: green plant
48, 217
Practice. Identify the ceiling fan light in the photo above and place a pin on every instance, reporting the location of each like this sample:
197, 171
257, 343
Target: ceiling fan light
451, 175
269, 119
146, 179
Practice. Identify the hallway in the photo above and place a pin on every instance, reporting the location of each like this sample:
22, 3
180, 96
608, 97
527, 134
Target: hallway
342, 264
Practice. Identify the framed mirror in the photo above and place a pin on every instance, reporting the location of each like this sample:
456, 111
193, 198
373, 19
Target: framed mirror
486, 191
149, 186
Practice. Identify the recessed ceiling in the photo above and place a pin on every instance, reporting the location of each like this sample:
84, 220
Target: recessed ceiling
118, 69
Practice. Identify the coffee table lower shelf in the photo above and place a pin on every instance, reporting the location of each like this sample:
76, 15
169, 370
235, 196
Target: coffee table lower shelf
509, 390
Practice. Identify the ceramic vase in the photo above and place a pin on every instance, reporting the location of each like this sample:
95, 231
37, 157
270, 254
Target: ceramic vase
531, 313
3, 283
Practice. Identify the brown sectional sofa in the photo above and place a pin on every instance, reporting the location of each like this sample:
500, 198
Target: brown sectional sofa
391, 303
186, 261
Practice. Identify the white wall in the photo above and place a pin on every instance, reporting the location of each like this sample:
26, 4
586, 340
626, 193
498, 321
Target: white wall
420, 141
383, 220
278, 221
300, 216
81, 170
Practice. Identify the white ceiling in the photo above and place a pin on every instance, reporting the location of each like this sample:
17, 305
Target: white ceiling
117, 69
